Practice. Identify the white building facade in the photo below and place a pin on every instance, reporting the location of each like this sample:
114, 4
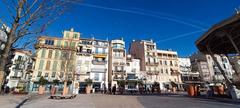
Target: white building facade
20, 71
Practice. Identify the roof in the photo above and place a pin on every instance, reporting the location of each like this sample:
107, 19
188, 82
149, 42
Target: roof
216, 38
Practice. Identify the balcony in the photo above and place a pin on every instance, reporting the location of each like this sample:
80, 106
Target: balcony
131, 77
84, 53
152, 63
118, 64
153, 73
175, 72
95, 62
119, 72
118, 78
100, 55
15, 77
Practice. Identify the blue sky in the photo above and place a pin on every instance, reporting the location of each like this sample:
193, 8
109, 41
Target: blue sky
173, 24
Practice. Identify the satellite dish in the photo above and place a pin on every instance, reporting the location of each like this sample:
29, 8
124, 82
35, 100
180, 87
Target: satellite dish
3, 36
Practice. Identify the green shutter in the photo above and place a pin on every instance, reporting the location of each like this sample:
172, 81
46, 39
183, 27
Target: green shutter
73, 44
66, 44
59, 43
75, 36
55, 66
56, 54
41, 64
67, 35
43, 53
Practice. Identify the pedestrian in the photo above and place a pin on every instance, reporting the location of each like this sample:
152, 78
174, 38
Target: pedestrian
114, 89
109, 88
152, 89
103, 88
2, 88
7, 90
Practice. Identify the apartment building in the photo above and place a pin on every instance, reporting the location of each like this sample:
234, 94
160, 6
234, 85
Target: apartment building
55, 58
92, 56
20, 71
186, 70
133, 71
159, 65
209, 72
117, 61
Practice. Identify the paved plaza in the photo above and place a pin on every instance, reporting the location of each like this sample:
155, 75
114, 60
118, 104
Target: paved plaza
115, 101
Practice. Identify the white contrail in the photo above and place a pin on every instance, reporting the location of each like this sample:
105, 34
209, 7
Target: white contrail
142, 13
172, 16
180, 36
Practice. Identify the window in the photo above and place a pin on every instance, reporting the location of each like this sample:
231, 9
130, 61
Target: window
55, 66
165, 62
63, 65
166, 71
41, 64
49, 42
39, 74
69, 76
59, 43
67, 35
56, 54
160, 62
72, 44
53, 74
89, 50
61, 75
65, 44
46, 75
50, 54
75, 36
43, 53
48, 65
19, 58
171, 64
161, 70
96, 76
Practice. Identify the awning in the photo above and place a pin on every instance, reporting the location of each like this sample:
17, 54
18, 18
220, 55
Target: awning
100, 55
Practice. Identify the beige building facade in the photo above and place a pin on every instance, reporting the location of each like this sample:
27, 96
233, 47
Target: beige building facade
117, 61
159, 65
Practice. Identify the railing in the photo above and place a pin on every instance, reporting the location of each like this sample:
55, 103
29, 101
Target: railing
84, 53
95, 62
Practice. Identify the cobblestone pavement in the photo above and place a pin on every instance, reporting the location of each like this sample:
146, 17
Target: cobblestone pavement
116, 101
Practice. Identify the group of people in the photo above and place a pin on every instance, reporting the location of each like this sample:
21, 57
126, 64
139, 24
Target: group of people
111, 90
141, 89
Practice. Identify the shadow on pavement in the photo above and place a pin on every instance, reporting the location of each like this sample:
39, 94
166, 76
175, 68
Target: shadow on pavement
183, 101
20, 104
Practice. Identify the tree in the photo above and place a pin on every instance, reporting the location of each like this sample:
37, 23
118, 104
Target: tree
28, 18
88, 81
42, 81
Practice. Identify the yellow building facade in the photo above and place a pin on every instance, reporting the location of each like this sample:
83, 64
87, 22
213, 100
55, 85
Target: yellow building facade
55, 57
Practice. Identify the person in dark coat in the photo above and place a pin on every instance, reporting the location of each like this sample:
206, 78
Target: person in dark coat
114, 89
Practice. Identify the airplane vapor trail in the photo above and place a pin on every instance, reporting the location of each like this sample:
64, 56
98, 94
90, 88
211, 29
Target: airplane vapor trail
180, 36
144, 14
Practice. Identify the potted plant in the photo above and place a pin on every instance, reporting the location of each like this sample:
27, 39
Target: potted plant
89, 85
42, 81
54, 88
121, 85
